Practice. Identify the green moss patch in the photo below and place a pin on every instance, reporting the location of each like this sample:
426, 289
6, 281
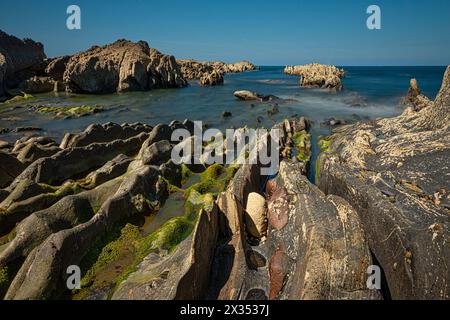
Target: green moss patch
324, 143
302, 140
114, 257
4, 281
70, 111
19, 98
213, 180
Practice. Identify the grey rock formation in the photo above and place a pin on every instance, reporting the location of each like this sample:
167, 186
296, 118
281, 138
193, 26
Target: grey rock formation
318, 76
395, 173
19, 60
121, 66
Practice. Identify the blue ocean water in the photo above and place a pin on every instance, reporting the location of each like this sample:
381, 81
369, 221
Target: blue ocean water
369, 92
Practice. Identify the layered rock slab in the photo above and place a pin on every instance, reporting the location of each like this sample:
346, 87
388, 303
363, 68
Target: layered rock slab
395, 172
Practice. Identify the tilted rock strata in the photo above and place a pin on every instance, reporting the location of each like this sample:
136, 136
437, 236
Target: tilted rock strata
395, 173
121, 66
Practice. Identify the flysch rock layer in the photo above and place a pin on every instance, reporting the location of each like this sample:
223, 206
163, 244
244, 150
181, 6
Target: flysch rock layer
395, 173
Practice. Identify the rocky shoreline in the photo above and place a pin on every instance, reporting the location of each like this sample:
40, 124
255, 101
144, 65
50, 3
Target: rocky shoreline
122, 66
111, 200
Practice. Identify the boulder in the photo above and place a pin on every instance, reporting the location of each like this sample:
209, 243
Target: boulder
121, 66
256, 215
395, 174
254, 96
248, 95
318, 76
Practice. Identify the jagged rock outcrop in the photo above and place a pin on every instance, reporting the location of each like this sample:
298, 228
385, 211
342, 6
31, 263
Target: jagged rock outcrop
394, 172
414, 97
211, 79
19, 60
240, 66
56, 67
318, 76
120, 67
211, 73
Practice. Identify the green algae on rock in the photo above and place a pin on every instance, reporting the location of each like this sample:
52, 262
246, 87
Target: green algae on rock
302, 140
4, 281
69, 111
19, 98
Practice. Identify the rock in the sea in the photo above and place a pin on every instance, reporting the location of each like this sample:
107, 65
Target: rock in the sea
256, 217
120, 67
240, 66
414, 97
192, 69
19, 60
213, 78
395, 173
247, 95
318, 76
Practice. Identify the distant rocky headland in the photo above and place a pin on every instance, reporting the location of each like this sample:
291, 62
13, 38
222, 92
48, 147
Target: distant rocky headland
122, 66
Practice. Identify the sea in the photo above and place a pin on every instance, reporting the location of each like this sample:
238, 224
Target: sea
369, 93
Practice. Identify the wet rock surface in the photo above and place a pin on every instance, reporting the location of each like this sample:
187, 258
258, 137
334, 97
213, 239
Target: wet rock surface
394, 172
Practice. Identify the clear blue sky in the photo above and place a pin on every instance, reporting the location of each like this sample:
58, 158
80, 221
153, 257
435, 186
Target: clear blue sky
267, 32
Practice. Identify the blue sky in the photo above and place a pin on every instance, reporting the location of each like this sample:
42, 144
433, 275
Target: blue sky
267, 32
